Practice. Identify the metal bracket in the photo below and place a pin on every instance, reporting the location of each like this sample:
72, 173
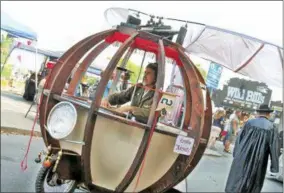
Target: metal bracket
202, 86
46, 92
77, 142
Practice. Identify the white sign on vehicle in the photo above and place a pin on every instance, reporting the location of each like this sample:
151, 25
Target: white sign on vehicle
183, 145
167, 102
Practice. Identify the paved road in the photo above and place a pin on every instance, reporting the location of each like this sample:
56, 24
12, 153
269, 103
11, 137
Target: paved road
209, 176
13, 110
12, 151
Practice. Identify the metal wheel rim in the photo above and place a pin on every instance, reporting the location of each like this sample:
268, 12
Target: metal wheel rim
64, 187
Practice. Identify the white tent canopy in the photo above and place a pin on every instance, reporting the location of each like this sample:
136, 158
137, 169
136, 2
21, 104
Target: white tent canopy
242, 54
257, 59
19, 30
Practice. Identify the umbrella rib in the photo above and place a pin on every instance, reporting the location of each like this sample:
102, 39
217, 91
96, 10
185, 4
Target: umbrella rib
250, 59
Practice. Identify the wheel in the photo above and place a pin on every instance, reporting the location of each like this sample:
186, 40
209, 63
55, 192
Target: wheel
44, 182
173, 190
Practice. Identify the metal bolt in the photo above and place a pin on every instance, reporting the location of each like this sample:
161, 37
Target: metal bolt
57, 160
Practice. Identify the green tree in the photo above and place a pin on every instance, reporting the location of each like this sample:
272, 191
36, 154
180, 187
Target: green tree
91, 80
135, 69
5, 47
132, 67
7, 71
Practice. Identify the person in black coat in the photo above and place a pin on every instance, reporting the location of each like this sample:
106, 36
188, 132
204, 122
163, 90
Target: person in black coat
257, 140
280, 141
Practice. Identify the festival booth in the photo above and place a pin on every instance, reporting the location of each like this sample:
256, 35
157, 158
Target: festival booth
242, 94
19, 31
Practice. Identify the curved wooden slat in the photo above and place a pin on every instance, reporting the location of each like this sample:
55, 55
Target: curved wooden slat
59, 81
57, 78
85, 65
176, 172
145, 140
89, 129
205, 131
43, 107
123, 64
160, 80
205, 136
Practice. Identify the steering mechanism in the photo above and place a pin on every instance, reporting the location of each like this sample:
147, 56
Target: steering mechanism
160, 23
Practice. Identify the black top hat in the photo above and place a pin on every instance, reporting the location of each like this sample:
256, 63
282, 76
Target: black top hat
264, 108
124, 69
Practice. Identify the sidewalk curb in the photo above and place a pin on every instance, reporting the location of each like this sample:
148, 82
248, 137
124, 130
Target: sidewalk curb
11, 92
210, 152
16, 131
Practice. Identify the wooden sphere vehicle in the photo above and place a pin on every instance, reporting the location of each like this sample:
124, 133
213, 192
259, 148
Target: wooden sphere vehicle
104, 151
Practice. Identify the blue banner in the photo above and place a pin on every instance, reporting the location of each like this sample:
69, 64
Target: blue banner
93, 70
213, 76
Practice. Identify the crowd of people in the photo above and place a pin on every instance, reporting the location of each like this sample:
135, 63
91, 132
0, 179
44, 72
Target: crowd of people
255, 138
227, 123
88, 90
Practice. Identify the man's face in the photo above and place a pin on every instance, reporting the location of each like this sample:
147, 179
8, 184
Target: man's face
238, 113
113, 75
149, 77
124, 76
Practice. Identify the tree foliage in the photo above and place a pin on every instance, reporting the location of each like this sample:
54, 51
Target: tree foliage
5, 47
7, 71
133, 67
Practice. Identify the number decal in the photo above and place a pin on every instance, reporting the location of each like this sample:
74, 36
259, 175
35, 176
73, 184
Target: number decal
167, 102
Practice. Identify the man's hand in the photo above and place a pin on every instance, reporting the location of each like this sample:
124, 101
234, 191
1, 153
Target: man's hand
105, 103
125, 109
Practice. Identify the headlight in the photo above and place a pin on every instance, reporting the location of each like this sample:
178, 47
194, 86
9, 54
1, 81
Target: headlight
61, 120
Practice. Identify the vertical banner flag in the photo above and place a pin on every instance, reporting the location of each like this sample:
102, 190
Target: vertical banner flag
213, 76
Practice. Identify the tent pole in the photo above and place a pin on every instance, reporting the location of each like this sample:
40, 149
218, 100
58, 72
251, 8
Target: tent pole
281, 58
36, 80
282, 88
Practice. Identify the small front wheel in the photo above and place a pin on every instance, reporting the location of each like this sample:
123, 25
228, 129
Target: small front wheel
173, 190
47, 181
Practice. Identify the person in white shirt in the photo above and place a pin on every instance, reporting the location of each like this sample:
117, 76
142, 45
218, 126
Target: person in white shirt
124, 82
232, 129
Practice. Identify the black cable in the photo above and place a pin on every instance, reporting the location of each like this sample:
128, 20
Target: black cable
186, 21
139, 12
